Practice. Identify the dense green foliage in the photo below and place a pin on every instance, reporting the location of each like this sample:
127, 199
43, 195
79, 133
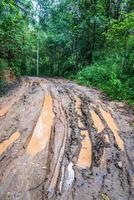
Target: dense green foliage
15, 38
107, 76
91, 41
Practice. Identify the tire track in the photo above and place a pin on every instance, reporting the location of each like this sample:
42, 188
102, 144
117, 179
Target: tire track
69, 146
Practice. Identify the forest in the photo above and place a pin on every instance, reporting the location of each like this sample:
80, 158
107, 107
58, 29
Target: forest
89, 41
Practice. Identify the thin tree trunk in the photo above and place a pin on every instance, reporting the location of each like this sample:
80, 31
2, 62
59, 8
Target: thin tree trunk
94, 35
37, 57
125, 54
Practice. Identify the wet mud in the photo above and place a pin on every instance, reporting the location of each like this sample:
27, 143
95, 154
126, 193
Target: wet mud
62, 141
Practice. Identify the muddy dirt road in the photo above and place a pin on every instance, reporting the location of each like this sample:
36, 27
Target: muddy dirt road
61, 141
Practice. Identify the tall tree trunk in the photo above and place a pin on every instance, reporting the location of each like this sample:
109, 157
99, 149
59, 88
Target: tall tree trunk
125, 54
94, 35
76, 54
117, 8
37, 57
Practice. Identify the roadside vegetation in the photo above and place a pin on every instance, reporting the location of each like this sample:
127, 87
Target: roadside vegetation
91, 42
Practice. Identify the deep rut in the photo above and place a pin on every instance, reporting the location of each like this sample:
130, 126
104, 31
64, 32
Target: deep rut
61, 141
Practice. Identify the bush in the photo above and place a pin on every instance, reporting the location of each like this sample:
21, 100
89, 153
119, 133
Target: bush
107, 76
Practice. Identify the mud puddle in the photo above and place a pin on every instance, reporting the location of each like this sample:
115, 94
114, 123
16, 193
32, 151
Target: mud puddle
6, 143
41, 136
113, 127
71, 144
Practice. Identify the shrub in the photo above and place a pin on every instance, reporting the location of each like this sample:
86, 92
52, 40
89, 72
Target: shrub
107, 76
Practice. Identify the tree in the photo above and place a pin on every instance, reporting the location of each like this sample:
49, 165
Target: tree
16, 38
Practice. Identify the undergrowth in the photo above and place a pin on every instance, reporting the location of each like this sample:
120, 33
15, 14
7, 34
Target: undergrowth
109, 78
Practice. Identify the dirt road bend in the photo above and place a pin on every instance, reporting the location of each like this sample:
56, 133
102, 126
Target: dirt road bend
62, 141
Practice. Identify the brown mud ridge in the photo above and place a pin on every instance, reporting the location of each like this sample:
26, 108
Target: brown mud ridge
62, 141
